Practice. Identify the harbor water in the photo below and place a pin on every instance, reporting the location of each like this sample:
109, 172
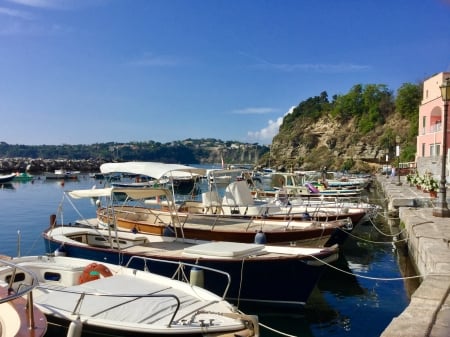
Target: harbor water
358, 295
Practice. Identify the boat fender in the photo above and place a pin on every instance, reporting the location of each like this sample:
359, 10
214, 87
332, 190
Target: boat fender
260, 237
93, 272
60, 251
196, 277
169, 231
306, 216
75, 328
312, 188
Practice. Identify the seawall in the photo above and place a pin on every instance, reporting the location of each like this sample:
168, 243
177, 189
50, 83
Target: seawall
428, 238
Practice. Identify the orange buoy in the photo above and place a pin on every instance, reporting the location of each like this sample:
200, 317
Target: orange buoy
93, 272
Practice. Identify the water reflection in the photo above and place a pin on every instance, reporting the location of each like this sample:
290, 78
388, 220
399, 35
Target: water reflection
6, 186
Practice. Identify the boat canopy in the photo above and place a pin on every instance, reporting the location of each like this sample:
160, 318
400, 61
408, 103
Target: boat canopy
134, 193
155, 170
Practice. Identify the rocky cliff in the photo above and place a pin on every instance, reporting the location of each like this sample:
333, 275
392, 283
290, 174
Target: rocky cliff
338, 146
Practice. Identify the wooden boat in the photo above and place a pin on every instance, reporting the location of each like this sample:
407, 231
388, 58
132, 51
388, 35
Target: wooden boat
6, 178
239, 202
133, 210
294, 271
19, 316
84, 296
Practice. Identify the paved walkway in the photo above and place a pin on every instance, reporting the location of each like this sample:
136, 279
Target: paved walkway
428, 314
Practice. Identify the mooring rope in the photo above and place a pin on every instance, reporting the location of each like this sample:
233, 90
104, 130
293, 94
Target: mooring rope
274, 330
370, 277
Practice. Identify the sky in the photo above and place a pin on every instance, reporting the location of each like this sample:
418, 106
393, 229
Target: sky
97, 71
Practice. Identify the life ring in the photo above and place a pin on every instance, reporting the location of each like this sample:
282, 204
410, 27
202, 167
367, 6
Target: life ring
93, 271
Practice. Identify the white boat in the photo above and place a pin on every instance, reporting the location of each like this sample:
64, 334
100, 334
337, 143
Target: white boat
62, 174
221, 177
265, 274
6, 178
82, 296
15, 318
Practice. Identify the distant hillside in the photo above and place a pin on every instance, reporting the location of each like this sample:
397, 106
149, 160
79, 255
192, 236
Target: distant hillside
189, 151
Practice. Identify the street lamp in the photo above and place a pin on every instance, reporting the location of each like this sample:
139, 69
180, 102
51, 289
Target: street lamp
441, 208
397, 153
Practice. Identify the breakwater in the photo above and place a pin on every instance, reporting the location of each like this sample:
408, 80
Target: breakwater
428, 241
33, 165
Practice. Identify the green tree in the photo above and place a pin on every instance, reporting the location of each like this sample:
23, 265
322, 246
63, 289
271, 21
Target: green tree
408, 100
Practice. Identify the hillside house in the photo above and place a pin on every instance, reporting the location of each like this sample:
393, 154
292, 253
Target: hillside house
430, 136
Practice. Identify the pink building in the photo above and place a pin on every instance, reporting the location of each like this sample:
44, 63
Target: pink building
429, 139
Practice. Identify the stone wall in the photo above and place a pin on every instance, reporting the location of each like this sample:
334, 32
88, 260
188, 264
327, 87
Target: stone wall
433, 165
8, 165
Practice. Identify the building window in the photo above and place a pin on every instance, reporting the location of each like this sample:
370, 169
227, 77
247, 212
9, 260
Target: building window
423, 149
435, 150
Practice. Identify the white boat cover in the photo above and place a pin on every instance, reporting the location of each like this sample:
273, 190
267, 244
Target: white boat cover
152, 169
135, 193
225, 249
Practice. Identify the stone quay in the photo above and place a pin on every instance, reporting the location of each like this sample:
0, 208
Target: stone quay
428, 237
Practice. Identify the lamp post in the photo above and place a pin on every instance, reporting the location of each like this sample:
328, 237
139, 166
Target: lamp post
441, 208
397, 153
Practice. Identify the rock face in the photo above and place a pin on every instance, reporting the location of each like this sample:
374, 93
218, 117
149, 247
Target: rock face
334, 145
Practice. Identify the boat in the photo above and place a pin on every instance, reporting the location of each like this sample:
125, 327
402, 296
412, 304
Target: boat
238, 201
260, 273
23, 177
85, 296
154, 211
222, 177
15, 317
62, 174
210, 219
6, 178
293, 185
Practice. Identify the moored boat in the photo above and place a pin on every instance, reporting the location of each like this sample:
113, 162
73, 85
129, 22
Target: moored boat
294, 271
6, 178
62, 174
83, 296
153, 211
19, 316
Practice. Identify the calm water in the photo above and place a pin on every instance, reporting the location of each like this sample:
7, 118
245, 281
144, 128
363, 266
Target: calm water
349, 301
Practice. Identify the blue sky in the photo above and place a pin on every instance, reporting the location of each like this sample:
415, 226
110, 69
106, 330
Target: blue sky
88, 71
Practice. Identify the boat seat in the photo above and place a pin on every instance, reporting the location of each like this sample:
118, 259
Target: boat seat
225, 249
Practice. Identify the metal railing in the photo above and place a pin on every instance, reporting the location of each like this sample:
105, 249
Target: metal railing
23, 289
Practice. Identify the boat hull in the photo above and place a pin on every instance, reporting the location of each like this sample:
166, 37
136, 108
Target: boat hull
233, 229
285, 281
7, 178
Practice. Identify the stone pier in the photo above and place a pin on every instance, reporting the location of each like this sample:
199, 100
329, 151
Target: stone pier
428, 314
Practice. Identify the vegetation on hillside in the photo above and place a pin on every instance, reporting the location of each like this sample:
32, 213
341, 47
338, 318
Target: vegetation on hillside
367, 114
189, 151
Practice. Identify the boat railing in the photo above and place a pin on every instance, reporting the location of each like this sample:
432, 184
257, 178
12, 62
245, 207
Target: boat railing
83, 294
180, 272
23, 289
